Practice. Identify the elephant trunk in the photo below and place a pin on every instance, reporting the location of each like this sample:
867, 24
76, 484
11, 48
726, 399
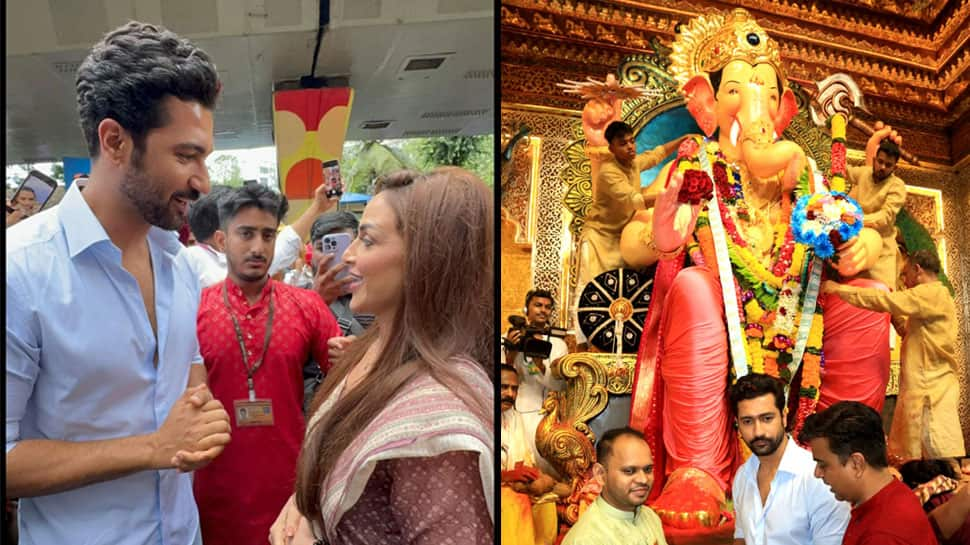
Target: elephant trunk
755, 134
767, 159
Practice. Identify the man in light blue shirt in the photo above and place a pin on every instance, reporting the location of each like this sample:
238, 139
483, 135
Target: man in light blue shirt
106, 404
777, 499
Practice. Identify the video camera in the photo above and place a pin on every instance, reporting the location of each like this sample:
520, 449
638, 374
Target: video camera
528, 344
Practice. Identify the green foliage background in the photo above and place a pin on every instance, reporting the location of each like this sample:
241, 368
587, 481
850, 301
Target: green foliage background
364, 161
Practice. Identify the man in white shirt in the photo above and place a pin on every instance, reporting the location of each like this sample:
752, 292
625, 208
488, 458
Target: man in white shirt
536, 378
206, 257
515, 444
777, 499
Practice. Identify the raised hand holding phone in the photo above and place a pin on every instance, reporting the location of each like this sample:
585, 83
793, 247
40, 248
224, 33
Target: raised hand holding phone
33, 194
332, 181
13, 215
331, 277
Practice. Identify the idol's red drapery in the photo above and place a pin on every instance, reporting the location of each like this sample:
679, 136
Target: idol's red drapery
682, 374
856, 347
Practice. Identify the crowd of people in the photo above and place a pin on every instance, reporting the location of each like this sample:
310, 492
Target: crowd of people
259, 386
835, 487
826, 480
157, 393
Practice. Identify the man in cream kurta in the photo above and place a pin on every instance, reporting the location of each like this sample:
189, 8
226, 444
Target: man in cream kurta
618, 517
881, 194
926, 422
515, 446
603, 524
617, 196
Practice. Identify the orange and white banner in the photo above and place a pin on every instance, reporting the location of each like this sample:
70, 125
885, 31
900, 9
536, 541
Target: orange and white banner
309, 126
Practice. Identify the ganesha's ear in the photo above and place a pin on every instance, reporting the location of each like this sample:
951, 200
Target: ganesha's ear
787, 109
700, 103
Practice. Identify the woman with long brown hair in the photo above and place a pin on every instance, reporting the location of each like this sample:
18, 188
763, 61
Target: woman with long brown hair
400, 445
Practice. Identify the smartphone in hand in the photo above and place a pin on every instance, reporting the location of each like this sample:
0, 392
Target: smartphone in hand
331, 179
337, 243
36, 189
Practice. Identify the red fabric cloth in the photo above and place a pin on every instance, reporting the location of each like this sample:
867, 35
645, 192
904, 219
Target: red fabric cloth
687, 330
697, 428
242, 491
647, 384
184, 234
856, 347
893, 516
420, 501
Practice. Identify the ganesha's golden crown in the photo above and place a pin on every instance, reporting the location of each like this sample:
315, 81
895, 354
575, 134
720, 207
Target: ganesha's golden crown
709, 42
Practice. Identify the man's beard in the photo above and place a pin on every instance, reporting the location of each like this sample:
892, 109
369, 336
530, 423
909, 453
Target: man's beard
767, 449
241, 273
148, 196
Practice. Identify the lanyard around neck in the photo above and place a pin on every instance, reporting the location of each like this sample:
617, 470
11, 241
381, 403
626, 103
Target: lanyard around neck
250, 371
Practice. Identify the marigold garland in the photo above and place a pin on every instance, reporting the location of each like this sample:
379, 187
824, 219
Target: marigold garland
771, 367
770, 298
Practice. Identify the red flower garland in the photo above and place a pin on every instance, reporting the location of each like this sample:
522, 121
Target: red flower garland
784, 257
838, 158
724, 189
806, 406
697, 186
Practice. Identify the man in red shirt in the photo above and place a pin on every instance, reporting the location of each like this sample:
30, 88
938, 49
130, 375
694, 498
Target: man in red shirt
255, 334
849, 448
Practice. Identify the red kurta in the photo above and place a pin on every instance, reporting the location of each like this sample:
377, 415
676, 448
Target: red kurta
892, 517
242, 491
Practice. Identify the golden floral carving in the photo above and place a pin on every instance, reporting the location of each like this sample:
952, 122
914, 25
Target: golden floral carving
927, 61
563, 436
577, 30
605, 34
556, 133
635, 40
512, 17
544, 24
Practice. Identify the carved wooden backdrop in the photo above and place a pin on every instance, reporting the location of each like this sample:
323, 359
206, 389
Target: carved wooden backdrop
911, 59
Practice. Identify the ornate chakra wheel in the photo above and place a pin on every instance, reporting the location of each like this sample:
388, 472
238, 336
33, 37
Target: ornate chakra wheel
613, 307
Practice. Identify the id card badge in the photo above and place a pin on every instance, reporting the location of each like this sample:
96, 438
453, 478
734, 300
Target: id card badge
258, 412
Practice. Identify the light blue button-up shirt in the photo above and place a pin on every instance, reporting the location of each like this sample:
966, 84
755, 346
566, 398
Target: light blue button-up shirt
80, 367
800, 509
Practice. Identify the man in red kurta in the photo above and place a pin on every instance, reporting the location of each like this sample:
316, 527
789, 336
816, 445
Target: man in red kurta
255, 335
849, 448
